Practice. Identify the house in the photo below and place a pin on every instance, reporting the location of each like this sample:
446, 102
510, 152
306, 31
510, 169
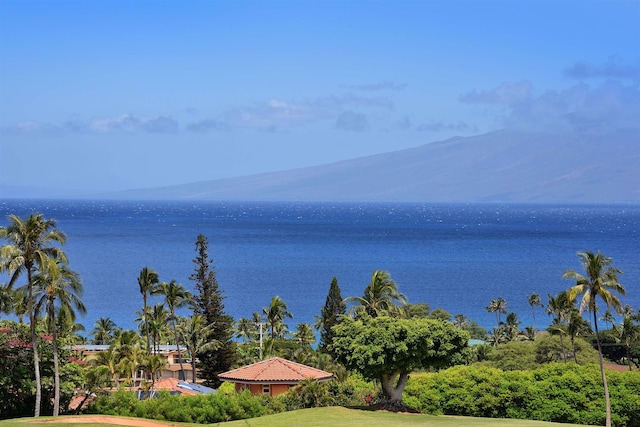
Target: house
170, 370
272, 376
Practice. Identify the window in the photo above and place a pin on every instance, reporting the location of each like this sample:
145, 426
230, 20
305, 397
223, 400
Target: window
266, 389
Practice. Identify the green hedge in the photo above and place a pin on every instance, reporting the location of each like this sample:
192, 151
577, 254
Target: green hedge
204, 409
559, 392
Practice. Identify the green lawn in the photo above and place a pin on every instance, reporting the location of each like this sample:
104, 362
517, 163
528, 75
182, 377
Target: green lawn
327, 417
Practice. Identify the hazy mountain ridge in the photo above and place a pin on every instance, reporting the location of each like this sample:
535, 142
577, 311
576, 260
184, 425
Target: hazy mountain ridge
500, 166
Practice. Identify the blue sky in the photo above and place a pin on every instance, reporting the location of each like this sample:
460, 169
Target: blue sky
110, 95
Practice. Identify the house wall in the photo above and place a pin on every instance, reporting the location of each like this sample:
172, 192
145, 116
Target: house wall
258, 389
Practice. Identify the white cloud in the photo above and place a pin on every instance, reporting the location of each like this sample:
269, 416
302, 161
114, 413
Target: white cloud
275, 113
506, 94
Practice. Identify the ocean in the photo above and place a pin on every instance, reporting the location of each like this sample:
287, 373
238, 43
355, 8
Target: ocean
455, 256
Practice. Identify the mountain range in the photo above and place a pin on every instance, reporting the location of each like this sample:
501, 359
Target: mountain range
500, 166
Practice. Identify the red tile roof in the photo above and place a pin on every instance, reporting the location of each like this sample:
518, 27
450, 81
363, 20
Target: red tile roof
274, 370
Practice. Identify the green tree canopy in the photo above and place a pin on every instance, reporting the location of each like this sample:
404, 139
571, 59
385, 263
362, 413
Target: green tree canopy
209, 302
334, 306
389, 349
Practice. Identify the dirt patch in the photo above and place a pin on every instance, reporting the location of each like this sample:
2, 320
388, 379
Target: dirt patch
105, 419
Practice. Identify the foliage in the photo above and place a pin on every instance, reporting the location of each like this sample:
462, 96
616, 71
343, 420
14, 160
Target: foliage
601, 280
389, 349
381, 297
17, 378
548, 349
203, 409
560, 392
209, 303
334, 307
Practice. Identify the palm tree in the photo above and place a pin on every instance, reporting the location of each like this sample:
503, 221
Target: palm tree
175, 296
110, 359
498, 305
607, 317
103, 331
304, 335
628, 333
559, 307
381, 296
511, 327
601, 280
534, 301
245, 329
275, 315
146, 281
129, 355
576, 325
55, 281
7, 300
28, 247
196, 336
460, 321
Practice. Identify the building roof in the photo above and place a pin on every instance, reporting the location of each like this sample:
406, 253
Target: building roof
274, 370
182, 387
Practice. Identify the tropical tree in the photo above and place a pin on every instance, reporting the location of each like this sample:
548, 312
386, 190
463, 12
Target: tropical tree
576, 325
6, 299
275, 316
601, 280
304, 335
628, 332
129, 354
109, 359
497, 305
29, 245
209, 301
175, 296
389, 349
245, 329
55, 282
559, 307
381, 296
460, 321
334, 307
103, 331
511, 327
534, 301
158, 319
197, 337
146, 281
607, 317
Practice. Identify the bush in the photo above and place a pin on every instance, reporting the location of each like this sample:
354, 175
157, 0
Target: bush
205, 409
559, 392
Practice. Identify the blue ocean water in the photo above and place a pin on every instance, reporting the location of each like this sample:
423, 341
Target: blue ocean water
455, 256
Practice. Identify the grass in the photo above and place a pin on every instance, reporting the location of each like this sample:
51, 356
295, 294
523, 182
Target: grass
322, 417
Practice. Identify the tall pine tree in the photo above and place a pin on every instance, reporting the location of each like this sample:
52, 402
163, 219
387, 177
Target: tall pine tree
209, 303
333, 307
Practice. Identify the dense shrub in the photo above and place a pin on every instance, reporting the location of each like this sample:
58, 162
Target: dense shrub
560, 392
205, 409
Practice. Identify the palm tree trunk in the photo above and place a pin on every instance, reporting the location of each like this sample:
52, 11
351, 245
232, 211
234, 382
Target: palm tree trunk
564, 353
56, 367
628, 347
194, 377
34, 345
175, 332
604, 377
146, 323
